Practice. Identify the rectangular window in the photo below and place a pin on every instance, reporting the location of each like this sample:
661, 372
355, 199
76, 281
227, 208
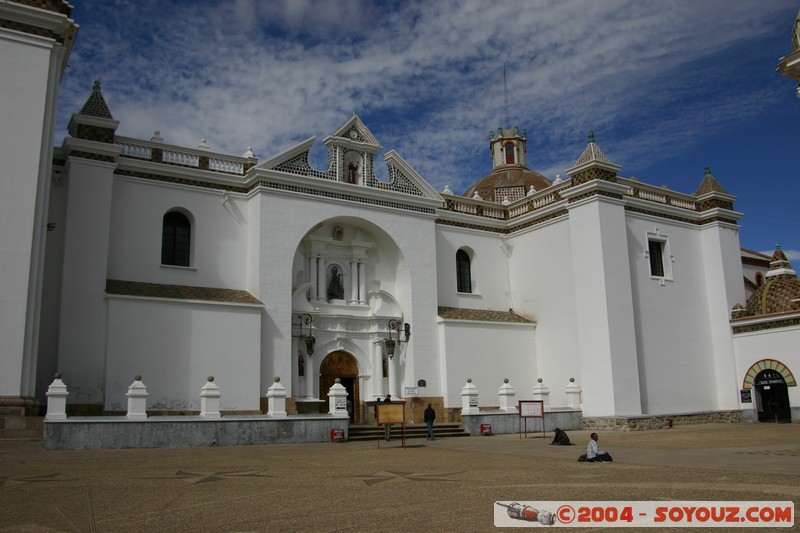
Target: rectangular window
656, 249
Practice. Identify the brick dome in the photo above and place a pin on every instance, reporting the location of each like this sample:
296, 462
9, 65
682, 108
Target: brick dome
780, 292
512, 182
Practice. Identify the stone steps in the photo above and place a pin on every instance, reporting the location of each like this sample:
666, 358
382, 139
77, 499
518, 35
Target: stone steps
416, 431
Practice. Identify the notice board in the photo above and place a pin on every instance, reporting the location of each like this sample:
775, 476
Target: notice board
531, 408
391, 413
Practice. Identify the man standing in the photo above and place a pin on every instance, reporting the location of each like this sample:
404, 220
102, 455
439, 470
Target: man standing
387, 428
430, 416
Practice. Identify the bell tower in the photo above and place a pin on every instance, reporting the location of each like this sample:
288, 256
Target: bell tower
508, 148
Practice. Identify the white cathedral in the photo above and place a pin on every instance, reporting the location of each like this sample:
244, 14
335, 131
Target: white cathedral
122, 257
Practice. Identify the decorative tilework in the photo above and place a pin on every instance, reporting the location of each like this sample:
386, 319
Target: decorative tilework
483, 315
768, 364
179, 292
58, 6
347, 197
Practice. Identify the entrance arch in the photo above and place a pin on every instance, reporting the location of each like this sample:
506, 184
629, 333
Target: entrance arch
772, 397
340, 364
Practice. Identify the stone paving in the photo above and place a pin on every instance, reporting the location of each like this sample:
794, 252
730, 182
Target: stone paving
443, 485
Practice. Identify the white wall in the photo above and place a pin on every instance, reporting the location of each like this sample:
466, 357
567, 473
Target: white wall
672, 322
488, 353
543, 291
82, 343
490, 285
219, 235
27, 85
780, 344
176, 345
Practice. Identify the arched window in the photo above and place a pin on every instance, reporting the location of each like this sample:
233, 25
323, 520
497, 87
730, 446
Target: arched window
510, 160
759, 279
176, 237
463, 272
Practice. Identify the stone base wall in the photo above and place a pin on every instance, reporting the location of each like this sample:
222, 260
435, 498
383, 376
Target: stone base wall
187, 431
641, 423
504, 423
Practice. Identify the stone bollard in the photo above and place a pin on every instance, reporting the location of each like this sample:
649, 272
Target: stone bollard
137, 400
210, 399
56, 400
276, 399
507, 394
469, 399
541, 392
337, 399
573, 395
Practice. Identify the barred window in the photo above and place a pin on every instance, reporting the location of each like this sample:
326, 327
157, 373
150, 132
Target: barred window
656, 249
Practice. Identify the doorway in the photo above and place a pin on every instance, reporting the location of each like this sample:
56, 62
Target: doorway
772, 397
342, 365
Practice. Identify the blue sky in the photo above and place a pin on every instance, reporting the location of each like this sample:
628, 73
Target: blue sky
669, 87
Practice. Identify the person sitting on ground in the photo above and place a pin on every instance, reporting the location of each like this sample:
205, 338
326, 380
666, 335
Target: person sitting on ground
561, 438
593, 452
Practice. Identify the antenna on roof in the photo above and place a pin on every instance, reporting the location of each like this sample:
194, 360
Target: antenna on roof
505, 88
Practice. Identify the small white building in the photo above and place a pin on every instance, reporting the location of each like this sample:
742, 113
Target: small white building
177, 263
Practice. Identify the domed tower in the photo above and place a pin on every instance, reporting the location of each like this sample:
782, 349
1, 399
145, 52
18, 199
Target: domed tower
780, 292
510, 178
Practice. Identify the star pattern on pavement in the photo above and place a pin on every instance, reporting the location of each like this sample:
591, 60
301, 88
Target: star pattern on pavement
389, 475
206, 477
41, 478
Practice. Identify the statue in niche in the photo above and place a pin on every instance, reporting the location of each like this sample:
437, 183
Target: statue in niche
338, 233
335, 288
301, 366
352, 172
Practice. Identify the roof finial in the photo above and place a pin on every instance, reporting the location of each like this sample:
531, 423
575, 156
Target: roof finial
777, 247
96, 86
708, 171
505, 87
591, 136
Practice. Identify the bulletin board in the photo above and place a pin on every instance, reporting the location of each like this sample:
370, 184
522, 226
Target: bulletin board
387, 413
391, 413
530, 409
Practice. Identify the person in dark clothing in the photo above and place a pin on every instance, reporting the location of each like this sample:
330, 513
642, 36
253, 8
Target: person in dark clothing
561, 438
430, 416
387, 428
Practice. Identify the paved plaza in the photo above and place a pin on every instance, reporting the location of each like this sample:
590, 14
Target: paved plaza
443, 485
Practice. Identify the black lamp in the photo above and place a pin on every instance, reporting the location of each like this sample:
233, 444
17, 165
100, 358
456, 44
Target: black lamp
394, 325
306, 320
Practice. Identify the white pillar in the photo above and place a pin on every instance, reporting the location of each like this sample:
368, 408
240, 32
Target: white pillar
392, 374
321, 288
541, 392
57, 400
276, 399
377, 357
311, 274
469, 399
362, 284
137, 400
310, 376
210, 399
507, 394
337, 399
573, 394
353, 281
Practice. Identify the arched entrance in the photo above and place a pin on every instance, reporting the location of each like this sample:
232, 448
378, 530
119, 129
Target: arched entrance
772, 397
344, 366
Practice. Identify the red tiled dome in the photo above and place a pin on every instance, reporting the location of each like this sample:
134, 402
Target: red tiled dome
510, 181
